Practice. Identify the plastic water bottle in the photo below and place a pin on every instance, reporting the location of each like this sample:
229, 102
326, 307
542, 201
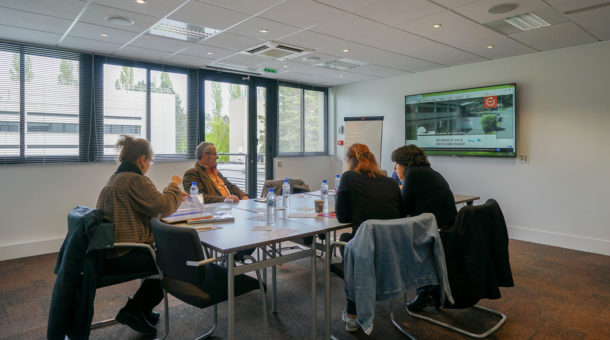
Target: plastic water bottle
337, 180
271, 208
195, 193
324, 193
285, 193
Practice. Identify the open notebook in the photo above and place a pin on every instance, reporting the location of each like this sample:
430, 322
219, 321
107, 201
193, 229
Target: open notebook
191, 211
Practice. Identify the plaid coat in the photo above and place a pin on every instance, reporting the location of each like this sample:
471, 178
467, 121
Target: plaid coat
129, 200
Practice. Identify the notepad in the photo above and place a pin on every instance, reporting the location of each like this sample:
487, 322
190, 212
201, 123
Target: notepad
302, 215
211, 219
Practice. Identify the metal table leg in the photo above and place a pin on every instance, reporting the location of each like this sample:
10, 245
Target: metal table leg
314, 315
231, 293
327, 317
273, 282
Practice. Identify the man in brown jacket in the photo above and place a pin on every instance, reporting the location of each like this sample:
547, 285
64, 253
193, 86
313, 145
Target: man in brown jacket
210, 182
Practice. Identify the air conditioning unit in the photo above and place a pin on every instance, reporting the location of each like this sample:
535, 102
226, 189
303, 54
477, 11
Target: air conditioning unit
342, 64
276, 50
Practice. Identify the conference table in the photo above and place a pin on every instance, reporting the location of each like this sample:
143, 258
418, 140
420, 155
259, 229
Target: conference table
296, 223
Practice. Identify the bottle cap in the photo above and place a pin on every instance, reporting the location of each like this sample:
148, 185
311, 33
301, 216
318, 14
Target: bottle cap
271, 190
285, 179
323, 181
194, 183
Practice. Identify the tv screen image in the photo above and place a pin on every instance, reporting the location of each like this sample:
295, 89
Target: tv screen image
477, 121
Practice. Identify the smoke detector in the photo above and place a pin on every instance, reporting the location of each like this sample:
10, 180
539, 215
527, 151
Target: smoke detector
276, 50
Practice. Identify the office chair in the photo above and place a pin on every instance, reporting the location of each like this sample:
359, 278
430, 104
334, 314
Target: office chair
188, 276
80, 273
476, 252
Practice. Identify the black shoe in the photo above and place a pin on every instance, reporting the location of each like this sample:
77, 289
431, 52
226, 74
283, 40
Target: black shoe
135, 321
426, 296
152, 317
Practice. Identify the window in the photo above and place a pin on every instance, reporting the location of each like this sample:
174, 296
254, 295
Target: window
147, 103
302, 121
39, 104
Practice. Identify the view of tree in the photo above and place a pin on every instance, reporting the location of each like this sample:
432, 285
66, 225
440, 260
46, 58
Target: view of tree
489, 123
66, 73
217, 125
261, 96
313, 101
125, 81
15, 68
289, 119
235, 91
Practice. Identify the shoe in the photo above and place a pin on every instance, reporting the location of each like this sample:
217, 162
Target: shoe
135, 321
152, 317
426, 296
350, 324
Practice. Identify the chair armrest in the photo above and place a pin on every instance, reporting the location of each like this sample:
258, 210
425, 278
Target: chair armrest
201, 263
137, 245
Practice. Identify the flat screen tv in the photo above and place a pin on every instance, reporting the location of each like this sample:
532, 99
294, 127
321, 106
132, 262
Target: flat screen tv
478, 121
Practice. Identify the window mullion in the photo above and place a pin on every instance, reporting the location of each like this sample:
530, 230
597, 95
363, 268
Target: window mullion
148, 96
21, 104
303, 121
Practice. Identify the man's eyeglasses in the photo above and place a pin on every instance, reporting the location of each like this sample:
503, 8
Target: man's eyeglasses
212, 154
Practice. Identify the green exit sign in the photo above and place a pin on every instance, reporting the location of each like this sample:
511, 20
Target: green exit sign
270, 70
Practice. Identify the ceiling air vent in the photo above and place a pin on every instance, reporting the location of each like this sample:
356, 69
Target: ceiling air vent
527, 21
276, 50
342, 64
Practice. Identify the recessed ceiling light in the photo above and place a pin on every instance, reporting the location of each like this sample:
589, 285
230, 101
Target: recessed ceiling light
141, 2
503, 8
123, 21
340, 76
181, 30
104, 35
263, 30
209, 53
437, 25
345, 50
490, 46
285, 65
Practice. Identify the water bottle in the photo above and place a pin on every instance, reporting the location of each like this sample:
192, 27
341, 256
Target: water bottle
285, 193
271, 208
337, 180
195, 193
324, 193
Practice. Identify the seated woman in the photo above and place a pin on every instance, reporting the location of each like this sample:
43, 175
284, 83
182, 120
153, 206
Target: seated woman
129, 199
423, 191
364, 193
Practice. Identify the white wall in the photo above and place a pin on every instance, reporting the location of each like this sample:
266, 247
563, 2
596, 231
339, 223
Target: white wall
35, 200
561, 197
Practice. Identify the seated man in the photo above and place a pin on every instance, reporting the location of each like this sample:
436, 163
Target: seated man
210, 182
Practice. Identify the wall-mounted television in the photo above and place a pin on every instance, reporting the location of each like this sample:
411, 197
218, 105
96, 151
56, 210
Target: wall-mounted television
478, 121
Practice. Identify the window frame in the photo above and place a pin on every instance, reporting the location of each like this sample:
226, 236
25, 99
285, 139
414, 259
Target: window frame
303, 88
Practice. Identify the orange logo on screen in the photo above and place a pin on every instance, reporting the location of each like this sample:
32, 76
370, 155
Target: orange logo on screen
491, 101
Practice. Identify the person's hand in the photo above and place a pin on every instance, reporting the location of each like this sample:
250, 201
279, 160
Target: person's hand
185, 195
234, 198
177, 180
245, 197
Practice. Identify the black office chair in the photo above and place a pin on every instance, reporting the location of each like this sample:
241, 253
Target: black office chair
193, 279
80, 267
476, 254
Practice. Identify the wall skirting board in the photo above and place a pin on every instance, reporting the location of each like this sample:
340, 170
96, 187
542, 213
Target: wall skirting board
588, 244
15, 251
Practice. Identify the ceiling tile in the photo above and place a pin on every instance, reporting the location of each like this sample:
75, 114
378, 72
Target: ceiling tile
438, 53
376, 70
467, 36
322, 58
398, 13
251, 28
206, 15
364, 31
230, 41
502, 47
477, 11
152, 8
448, 20
66, 9
389, 59
454, 3
316, 41
302, 13
350, 5
597, 21
244, 6
96, 14
571, 5
89, 45
244, 59
555, 36
187, 60
44, 23
141, 53
160, 43
90, 31
198, 50
28, 36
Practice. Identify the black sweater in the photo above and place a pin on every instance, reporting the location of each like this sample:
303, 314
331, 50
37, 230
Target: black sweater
425, 190
360, 198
